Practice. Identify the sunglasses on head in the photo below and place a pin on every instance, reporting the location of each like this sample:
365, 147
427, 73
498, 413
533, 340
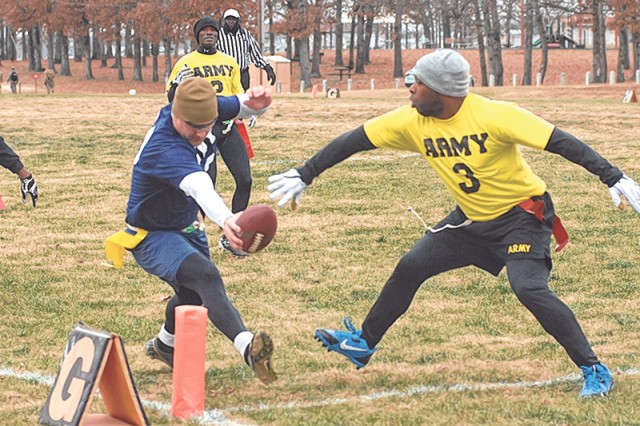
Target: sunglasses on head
199, 126
409, 79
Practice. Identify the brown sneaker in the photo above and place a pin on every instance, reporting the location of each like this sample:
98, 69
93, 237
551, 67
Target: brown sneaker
259, 358
153, 351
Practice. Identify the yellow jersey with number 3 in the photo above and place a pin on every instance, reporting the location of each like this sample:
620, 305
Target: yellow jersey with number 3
220, 69
475, 152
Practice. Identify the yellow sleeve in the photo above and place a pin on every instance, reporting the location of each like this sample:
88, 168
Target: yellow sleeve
398, 129
174, 71
237, 84
520, 126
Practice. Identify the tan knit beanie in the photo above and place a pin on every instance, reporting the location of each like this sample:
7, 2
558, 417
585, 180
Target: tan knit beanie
195, 101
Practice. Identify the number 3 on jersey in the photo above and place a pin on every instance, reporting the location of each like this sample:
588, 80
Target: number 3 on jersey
469, 187
217, 85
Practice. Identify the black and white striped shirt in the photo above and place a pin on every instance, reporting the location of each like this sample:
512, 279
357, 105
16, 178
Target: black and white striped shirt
242, 46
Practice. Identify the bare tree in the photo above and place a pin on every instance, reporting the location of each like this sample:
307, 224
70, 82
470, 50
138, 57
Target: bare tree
542, 70
528, 43
492, 26
339, 62
599, 43
481, 47
397, 39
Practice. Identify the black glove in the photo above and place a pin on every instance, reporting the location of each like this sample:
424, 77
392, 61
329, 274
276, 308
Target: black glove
271, 75
29, 186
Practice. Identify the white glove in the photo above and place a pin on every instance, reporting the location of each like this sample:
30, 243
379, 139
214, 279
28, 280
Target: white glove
183, 74
628, 188
289, 185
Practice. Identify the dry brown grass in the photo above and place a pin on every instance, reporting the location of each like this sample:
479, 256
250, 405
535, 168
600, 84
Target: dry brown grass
329, 259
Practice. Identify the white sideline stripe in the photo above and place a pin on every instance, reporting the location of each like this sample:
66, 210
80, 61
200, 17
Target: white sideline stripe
209, 417
363, 158
421, 390
217, 417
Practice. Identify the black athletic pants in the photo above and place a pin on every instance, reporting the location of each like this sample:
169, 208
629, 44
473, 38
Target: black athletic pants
528, 278
200, 284
234, 154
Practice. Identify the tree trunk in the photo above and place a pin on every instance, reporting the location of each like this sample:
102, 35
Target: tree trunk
481, 47
118, 60
303, 55
25, 44
57, 56
599, 48
352, 40
78, 48
623, 56
95, 44
317, 41
493, 38
128, 41
528, 43
3, 40
398, 72
272, 38
368, 29
144, 50
51, 60
360, 40
635, 37
167, 58
88, 73
155, 48
12, 49
137, 59
543, 42
36, 47
65, 67
339, 62
104, 54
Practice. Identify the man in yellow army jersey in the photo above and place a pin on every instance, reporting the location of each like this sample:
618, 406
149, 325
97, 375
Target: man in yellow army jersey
223, 72
504, 215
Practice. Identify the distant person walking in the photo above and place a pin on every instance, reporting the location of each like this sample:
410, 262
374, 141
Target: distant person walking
13, 80
239, 43
49, 82
11, 161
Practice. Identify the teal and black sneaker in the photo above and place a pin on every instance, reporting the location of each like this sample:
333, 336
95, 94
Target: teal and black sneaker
597, 380
348, 343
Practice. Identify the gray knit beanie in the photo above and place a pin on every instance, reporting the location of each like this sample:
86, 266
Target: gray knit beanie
444, 71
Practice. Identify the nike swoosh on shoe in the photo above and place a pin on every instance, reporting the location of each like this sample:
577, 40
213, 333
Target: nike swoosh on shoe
346, 347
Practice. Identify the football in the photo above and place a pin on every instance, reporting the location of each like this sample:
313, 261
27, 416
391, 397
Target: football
259, 224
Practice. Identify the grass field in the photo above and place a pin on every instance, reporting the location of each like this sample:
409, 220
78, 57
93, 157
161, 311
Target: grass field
466, 352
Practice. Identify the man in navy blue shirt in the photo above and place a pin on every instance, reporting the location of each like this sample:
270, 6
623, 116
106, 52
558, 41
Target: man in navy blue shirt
168, 187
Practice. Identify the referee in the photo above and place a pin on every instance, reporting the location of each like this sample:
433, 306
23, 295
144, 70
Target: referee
240, 44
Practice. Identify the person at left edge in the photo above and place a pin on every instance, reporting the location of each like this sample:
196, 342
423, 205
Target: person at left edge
223, 73
11, 161
168, 186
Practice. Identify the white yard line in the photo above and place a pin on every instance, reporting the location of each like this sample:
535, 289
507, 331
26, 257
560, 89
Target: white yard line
218, 416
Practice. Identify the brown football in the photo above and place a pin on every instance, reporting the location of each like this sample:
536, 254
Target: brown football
259, 224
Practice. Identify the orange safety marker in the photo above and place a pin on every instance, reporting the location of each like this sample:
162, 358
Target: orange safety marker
188, 361
242, 129
2, 206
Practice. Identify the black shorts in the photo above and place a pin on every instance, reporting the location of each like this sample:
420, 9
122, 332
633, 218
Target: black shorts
516, 234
